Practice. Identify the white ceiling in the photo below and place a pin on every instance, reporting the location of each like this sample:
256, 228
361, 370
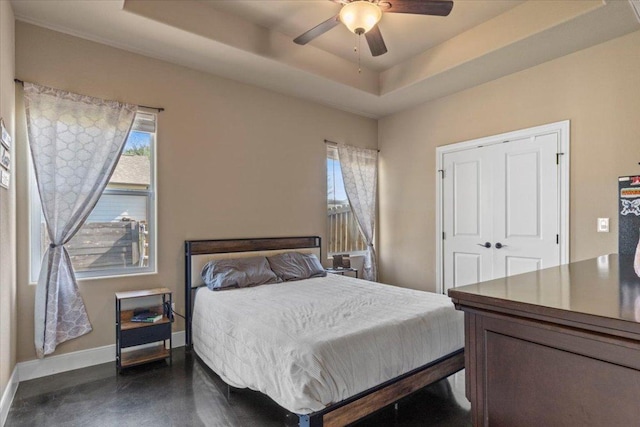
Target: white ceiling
429, 57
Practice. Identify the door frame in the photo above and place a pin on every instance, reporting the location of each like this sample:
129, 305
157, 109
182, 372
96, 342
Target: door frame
563, 129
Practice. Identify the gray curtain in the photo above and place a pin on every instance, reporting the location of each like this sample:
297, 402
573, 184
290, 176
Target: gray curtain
75, 143
360, 174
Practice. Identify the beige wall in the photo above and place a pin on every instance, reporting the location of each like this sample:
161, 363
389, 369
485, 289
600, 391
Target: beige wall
598, 89
7, 205
233, 161
228, 150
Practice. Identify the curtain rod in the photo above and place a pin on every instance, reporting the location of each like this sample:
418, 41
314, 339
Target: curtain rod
326, 141
158, 109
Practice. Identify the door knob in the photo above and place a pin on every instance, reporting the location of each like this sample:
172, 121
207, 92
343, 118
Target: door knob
486, 245
500, 245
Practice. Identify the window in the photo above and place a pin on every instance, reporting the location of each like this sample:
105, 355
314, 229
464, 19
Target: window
118, 237
343, 231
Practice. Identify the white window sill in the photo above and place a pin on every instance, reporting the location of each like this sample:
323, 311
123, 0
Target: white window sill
107, 277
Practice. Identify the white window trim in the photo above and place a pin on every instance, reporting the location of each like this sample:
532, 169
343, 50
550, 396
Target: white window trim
35, 254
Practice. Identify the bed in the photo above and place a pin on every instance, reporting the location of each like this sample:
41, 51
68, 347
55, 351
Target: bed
328, 349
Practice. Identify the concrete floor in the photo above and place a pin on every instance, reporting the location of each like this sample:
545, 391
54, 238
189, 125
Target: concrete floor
189, 394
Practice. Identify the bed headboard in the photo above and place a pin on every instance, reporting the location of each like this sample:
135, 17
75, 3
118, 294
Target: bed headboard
200, 252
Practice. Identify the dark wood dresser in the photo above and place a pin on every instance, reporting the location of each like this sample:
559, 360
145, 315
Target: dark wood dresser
555, 347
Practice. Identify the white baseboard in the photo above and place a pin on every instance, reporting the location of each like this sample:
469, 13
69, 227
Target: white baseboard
65, 362
7, 396
78, 359
178, 339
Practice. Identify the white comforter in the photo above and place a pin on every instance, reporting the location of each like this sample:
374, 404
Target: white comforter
314, 342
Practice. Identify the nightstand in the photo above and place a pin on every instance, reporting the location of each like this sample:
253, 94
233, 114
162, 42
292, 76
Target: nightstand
342, 271
133, 334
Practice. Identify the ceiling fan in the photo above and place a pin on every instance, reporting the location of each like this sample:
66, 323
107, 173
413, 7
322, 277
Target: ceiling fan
362, 17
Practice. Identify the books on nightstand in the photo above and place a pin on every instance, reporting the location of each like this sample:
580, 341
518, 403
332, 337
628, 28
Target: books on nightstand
146, 316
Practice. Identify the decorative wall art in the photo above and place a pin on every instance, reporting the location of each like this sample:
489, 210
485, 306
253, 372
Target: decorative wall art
5, 178
5, 156
6, 138
629, 214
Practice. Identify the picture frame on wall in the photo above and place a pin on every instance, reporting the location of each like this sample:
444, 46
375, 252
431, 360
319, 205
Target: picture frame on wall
5, 137
5, 157
5, 178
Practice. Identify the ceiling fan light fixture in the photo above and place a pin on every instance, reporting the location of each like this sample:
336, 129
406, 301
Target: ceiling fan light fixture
360, 16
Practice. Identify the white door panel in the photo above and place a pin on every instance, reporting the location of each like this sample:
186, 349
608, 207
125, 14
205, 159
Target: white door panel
526, 213
505, 194
466, 198
467, 269
467, 208
522, 194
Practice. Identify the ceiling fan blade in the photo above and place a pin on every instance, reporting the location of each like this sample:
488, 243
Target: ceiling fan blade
418, 7
318, 30
375, 41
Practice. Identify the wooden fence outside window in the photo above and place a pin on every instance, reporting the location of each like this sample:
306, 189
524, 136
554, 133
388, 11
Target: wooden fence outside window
106, 245
344, 233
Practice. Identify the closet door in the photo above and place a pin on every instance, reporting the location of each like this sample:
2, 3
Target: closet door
526, 205
501, 211
467, 217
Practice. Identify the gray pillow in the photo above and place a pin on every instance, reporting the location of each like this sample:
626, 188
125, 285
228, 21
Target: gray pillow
296, 266
238, 273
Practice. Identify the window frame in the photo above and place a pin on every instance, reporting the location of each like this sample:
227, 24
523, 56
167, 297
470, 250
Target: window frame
35, 218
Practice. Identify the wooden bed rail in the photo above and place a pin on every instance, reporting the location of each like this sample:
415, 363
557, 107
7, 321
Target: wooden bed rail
374, 399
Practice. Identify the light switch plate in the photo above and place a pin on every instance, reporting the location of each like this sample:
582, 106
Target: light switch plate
603, 225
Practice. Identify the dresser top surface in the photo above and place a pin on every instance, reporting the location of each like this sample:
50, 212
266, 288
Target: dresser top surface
604, 287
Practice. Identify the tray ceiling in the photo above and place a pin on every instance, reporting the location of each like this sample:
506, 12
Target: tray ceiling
405, 35
429, 57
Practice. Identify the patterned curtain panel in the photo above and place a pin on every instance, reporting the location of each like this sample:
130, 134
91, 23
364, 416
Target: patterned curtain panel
360, 175
75, 143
